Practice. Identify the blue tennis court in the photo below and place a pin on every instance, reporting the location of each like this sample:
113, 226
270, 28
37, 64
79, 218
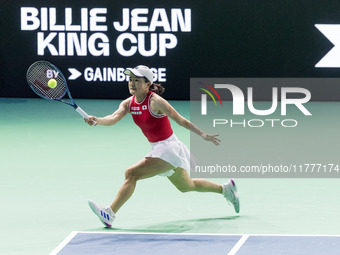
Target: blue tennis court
166, 244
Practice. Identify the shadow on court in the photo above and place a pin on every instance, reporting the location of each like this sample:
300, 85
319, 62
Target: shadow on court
179, 226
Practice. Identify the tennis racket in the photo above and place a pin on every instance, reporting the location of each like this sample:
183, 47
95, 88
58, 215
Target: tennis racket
38, 75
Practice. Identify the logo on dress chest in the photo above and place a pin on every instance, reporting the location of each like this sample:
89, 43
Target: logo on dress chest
136, 110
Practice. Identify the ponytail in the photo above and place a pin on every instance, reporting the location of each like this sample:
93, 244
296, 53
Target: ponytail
157, 88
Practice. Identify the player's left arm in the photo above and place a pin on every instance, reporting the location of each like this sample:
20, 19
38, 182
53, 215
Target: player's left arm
161, 106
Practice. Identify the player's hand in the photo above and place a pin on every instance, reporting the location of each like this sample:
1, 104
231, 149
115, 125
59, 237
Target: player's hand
212, 138
92, 120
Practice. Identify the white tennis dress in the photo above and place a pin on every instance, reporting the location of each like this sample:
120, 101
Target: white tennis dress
158, 131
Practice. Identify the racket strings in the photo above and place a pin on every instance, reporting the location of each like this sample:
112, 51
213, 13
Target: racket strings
38, 79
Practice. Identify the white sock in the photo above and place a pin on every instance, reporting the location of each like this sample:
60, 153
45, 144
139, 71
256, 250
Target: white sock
112, 214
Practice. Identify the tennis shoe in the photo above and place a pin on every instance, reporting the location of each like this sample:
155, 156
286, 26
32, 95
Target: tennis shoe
105, 214
229, 191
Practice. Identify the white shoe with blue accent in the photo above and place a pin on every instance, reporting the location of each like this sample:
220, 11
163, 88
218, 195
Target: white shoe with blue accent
229, 191
105, 214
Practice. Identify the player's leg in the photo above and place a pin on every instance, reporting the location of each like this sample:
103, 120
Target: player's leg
145, 168
184, 183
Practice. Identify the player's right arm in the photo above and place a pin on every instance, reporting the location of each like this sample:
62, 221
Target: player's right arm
113, 118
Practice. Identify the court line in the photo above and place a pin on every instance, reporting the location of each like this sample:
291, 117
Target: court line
238, 245
64, 243
233, 251
156, 233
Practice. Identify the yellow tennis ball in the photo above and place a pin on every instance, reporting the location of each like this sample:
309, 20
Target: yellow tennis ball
52, 83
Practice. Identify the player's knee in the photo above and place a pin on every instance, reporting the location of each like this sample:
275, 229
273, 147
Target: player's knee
184, 189
130, 174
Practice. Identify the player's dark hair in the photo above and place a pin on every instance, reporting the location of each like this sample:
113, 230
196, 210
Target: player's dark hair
156, 87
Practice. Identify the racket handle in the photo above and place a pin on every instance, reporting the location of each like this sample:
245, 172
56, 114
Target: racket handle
84, 114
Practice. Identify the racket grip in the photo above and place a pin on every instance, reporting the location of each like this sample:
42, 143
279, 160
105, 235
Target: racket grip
84, 114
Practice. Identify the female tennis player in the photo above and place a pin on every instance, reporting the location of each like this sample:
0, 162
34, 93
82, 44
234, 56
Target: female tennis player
168, 156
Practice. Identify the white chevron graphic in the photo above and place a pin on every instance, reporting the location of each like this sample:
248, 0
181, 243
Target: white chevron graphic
74, 73
332, 33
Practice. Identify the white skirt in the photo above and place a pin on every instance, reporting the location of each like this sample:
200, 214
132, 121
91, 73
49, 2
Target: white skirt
172, 151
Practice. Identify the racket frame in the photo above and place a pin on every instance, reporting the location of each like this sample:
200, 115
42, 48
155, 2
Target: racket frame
59, 99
